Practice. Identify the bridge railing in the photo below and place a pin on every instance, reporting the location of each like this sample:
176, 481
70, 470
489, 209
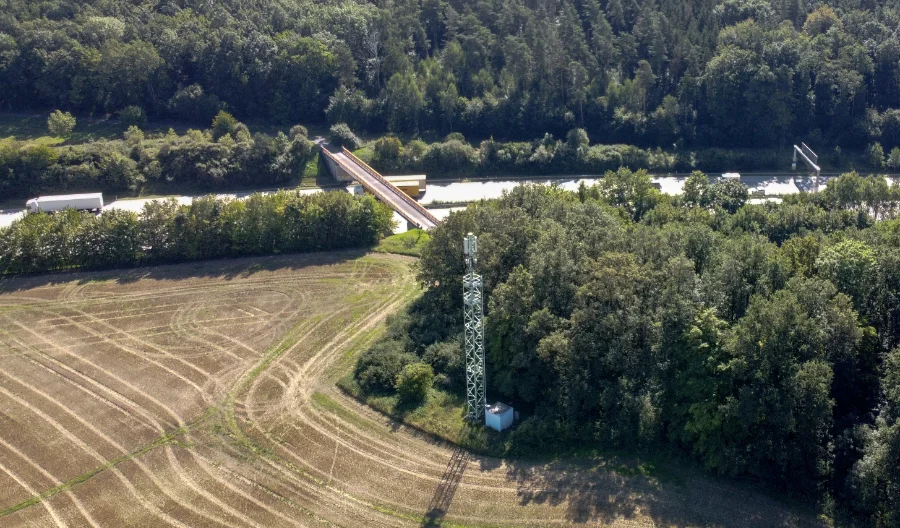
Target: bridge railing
425, 212
337, 163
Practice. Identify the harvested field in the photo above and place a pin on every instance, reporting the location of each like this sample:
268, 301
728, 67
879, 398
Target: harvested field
203, 395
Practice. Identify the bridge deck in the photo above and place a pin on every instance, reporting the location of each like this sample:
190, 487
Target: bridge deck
382, 189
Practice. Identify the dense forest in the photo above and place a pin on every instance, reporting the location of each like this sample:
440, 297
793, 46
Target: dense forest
727, 73
165, 232
761, 340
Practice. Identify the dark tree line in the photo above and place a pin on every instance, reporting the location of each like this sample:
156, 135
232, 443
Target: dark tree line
572, 154
210, 227
762, 340
726, 73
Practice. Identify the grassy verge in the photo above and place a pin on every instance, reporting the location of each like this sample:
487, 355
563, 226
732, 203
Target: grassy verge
33, 127
409, 243
441, 415
365, 154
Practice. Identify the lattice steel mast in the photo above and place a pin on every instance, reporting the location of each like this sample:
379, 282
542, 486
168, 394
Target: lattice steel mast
473, 314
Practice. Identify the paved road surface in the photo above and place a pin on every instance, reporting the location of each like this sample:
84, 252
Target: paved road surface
388, 193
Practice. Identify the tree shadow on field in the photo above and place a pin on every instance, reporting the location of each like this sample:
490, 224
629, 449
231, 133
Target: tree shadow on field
595, 492
226, 269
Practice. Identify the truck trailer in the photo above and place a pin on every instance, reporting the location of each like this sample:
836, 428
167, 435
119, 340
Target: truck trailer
79, 202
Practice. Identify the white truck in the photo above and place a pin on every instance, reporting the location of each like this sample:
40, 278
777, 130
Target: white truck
79, 202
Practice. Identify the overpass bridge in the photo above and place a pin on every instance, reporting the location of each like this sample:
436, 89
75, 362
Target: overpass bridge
343, 165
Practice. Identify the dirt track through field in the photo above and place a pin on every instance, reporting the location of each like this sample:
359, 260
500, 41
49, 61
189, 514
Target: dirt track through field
204, 395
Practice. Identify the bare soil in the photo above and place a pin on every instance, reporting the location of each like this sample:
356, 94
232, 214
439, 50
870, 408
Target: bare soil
203, 395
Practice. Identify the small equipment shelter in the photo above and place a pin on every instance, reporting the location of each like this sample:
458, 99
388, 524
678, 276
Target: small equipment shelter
498, 416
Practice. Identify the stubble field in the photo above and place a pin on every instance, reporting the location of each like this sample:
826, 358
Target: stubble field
203, 395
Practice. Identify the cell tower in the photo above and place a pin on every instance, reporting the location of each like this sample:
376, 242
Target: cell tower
809, 158
473, 314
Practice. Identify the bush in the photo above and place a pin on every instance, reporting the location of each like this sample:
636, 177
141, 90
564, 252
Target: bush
342, 136
224, 124
133, 136
350, 107
413, 154
577, 139
132, 116
387, 153
447, 357
414, 381
61, 124
193, 104
298, 131
454, 156
119, 172
730, 195
378, 368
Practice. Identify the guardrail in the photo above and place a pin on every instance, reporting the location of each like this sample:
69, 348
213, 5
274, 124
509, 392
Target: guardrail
416, 205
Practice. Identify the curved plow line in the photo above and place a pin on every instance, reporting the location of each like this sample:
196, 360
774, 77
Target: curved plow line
175, 465
309, 366
243, 385
140, 464
127, 349
141, 342
268, 491
179, 325
352, 439
180, 322
237, 491
31, 490
100, 434
296, 335
186, 290
111, 464
485, 484
298, 481
272, 457
355, 432
307, 475
152, 422
290, 366
140, 304
286, 345
250, 376
223, 321
361, 435
191, 484
384, 452
81, 509
288, 402
111, 375
84, 447
307, 327
159, 308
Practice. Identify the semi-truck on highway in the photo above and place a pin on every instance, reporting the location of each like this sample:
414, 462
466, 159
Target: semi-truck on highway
79, 202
